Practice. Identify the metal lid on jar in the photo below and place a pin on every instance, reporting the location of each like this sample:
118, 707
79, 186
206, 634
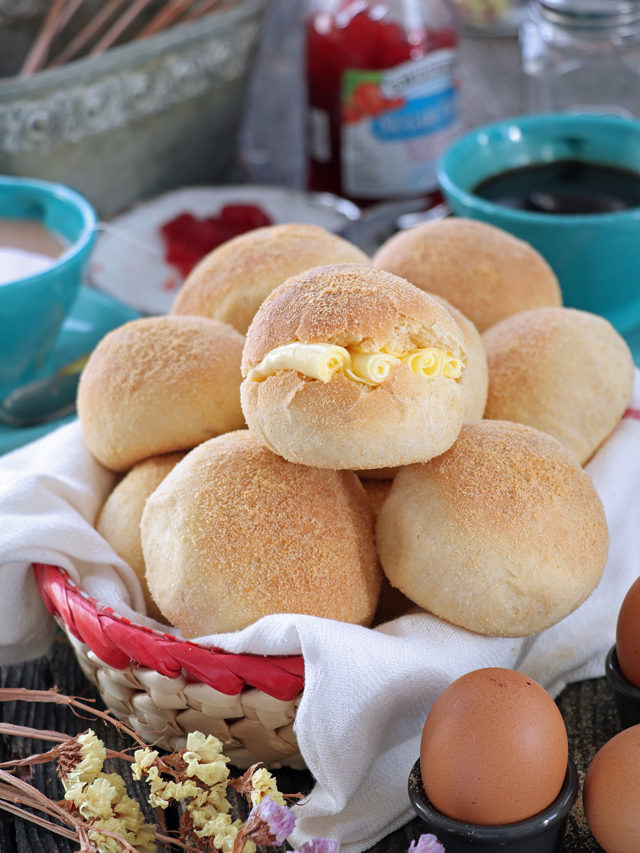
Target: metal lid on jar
596, 14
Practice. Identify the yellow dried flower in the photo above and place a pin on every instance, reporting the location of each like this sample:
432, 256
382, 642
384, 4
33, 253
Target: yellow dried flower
207, 823
264, 785
162, 792
204, 759
207, 747
93, 799
81, 759
143, 761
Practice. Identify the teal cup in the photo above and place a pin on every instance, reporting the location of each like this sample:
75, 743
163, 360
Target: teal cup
596, 256
32, 309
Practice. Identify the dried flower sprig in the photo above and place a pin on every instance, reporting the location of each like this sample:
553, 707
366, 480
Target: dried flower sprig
98, 813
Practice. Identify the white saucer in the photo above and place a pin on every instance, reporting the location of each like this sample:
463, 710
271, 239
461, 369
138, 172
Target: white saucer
128, 259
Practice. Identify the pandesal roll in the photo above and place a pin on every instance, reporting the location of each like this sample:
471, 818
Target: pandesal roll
158, 385
235, 533
231, 282
564, 371
485, 272
503, 534
119, 519
349, 367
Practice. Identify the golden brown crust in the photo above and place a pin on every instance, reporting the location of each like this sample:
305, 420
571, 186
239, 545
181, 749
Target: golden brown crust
504, 534
347, 304
231, 282
235, 532
119, 518
564, 371
485, 272
157, 385
343, 423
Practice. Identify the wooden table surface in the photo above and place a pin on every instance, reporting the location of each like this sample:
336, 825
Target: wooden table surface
490, 90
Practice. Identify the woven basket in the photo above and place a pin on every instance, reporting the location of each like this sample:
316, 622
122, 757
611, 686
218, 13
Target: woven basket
165, 687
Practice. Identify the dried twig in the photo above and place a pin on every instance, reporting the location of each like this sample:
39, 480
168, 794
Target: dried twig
36, 734
68, 12
115, 31
88, 32
12, 694
40, 48
166, 16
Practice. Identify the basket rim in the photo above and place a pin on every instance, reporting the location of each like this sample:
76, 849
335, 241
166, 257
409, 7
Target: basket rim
119, 643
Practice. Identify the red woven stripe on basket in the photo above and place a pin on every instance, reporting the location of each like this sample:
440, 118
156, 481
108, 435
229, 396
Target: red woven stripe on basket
119, 643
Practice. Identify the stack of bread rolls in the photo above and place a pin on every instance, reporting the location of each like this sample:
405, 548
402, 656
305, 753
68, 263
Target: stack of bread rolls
314, 431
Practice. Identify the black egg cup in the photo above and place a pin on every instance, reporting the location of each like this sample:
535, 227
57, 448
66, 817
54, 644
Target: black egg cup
541, 833
627, 695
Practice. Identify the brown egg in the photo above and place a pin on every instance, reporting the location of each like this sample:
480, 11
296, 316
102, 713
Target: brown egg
494, 748
628, 635
611, 794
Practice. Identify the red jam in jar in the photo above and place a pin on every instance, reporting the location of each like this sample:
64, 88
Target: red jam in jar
382, 96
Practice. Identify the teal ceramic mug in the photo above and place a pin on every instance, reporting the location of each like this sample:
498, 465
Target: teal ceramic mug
596, 256
33, 308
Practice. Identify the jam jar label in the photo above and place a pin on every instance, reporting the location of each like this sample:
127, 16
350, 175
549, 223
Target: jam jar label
396, 123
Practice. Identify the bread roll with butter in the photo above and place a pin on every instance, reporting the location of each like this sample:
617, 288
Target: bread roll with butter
485, 272
564, 371
119, 518
504, 534
157, 385
235, 533
232, 281
348, 367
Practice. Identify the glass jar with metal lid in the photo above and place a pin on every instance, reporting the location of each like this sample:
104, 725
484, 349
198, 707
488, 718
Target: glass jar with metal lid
582, 55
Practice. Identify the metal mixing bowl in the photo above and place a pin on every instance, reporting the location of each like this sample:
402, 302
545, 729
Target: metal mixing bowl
142, 118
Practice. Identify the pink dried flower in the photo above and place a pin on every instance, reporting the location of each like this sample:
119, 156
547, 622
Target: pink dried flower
426, 844
269, 823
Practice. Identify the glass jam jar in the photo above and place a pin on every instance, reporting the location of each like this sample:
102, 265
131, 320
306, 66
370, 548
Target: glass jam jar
382, 83
582, 55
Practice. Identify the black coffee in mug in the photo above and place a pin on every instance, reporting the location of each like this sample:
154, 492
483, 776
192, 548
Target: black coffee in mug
564, 187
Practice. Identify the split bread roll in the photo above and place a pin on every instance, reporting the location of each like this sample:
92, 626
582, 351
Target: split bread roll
349, 367
231, 282
119, 518
564, 371
235, 533
474, 382
485, 272
504, 534
158, 385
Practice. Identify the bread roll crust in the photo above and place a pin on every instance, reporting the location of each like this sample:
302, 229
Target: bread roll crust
349, 304
342, 423
235, 532
158, 385
564, 371
485, 272
231, 282
119, 519
504, 534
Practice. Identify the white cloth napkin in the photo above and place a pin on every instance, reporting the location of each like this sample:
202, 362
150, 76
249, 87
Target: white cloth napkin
367, 692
